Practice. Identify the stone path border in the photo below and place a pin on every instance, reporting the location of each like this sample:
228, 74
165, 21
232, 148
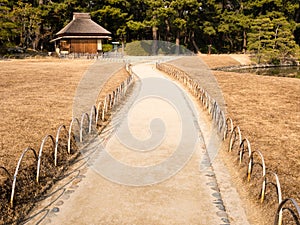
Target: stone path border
200, 72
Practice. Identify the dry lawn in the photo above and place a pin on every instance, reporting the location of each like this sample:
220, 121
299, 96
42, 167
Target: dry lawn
267, 109
36, 97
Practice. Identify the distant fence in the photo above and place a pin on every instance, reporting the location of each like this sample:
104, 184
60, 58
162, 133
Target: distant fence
246, 156
107, 56
79, 129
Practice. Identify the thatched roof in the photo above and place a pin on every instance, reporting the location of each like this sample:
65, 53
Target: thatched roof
83, 26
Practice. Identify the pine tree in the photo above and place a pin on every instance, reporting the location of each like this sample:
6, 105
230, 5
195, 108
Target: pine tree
271, 38
7, 26
113, 15
28, 20
260, 26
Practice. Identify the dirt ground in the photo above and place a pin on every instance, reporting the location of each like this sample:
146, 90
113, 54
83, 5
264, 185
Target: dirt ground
36, 97
268, 112
134, 196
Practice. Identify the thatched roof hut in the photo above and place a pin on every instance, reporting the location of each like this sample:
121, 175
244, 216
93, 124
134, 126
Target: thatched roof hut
81, 35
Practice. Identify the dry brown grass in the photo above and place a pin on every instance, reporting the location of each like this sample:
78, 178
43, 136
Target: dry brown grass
36, 96
112, 83
268, 111
214, 61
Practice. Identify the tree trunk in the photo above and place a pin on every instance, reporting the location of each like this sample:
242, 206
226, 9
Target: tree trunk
186, 38
35, 43
275, 38
194, 43
244, 42
297, 15
259, 46
38, 31
22, 38
167, 37
177, 51
154, 43
37, 37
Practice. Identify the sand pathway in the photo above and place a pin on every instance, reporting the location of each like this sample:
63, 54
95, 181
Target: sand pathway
147, 167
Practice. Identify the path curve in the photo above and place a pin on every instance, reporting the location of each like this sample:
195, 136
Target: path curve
188, 196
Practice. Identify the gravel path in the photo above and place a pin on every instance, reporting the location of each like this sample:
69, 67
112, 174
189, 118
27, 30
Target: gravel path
149, 166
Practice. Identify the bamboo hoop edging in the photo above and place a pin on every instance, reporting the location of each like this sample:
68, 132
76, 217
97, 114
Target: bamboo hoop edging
120, 92
280, 209
226, 131
235, 132
6, 172
277, 186
56, 141
251, 164
98, 110
70, 132
17, 171
93, 112
244, 149
45, 139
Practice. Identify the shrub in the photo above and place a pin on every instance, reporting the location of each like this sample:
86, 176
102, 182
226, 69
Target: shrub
107, 47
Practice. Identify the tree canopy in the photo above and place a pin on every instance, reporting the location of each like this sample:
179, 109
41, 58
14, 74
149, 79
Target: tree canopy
258, 26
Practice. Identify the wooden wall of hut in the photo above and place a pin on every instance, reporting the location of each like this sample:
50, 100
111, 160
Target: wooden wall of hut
84, 46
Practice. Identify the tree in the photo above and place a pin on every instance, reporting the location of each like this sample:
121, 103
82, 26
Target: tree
28, 20
181, 20
7, 27
209, 19
153, 19
234, 26
114, 15
261, 26
271, 38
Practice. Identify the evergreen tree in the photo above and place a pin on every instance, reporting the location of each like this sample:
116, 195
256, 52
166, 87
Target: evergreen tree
113, 15
182, 12
208, 25
7, 27
271, 38
259, 26
28, 20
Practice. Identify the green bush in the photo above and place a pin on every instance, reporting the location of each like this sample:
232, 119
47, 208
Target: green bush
138, 48
144, 48
107, 47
